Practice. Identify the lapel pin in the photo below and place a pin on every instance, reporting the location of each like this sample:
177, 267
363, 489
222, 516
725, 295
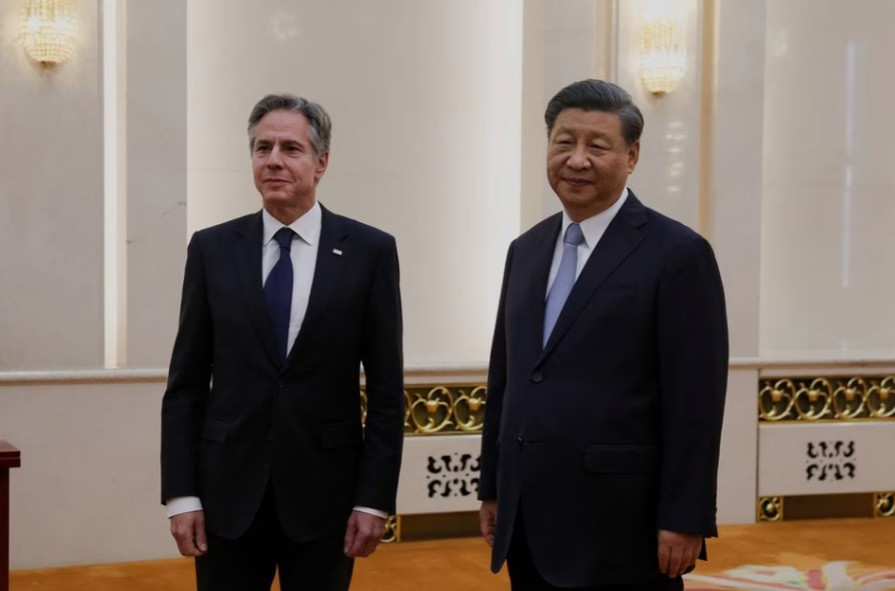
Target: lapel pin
337, 251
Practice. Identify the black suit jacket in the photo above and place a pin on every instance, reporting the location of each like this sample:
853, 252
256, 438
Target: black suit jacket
236, 414
610, 431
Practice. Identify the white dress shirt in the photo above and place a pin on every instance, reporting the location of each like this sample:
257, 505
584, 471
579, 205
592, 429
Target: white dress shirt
304, 259
303, 253
592, 228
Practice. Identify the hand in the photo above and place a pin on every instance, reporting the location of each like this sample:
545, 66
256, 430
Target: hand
363, 534
488, 520
677, 552
188, 530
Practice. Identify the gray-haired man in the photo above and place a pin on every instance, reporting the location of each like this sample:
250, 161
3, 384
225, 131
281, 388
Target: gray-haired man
265, 464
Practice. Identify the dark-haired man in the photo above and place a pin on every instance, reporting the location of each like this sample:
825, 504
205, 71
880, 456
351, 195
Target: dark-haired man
608, 374
265, 464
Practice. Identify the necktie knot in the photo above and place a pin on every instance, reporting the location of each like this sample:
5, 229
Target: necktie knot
284, 238
574, 235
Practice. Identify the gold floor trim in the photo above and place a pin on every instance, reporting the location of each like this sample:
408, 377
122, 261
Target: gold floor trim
769, 509
848, 505
884, 504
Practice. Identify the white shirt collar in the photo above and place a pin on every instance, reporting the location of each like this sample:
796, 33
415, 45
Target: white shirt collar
594, 226
306, 226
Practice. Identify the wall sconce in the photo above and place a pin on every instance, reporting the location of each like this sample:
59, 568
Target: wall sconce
49, 30
663, 58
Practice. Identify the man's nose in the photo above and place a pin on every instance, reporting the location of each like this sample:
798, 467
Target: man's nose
578, 158
275, 158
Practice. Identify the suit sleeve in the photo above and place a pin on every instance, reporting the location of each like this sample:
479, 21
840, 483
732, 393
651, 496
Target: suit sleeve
383, 361
497, 382
183, 405
693, 363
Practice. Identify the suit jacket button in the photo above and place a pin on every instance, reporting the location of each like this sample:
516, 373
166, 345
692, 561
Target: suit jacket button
281, 384
270, 435
537, 377
519, 440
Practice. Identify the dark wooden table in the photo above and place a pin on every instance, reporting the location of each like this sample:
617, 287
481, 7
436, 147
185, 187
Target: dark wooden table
9, 458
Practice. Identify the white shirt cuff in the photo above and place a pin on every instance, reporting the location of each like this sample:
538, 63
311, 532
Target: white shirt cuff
179, 505
375, 512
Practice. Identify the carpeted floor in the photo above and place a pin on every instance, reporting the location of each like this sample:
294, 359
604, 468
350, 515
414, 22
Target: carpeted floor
834, 555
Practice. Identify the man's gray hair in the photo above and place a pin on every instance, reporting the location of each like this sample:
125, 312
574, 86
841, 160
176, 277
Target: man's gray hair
318, 118
597, 95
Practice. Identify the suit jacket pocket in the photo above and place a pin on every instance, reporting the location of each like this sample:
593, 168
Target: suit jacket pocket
336, 435
621, 459
216, 430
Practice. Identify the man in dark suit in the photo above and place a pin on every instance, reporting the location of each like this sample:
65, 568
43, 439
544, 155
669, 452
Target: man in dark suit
265, 463
608, 374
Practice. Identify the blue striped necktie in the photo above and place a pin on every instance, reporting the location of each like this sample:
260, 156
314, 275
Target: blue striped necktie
565, 278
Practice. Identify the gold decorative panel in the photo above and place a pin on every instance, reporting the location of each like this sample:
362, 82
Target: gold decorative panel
822, 398
441, 410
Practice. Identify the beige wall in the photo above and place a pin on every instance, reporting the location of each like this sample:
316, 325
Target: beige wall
51, 199
425, 99
827, 257
88, 489
156, 177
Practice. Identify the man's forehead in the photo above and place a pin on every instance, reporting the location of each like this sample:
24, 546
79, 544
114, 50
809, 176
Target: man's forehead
274, 127
596, 121
281, 120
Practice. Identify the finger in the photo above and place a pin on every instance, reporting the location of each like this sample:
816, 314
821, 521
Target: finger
201, 541
689, 559
181, 544
674, 561
376, 538
366, 540
484, 526
664, 556
487, 522
357, 546
183, 535
350, 535
370, 547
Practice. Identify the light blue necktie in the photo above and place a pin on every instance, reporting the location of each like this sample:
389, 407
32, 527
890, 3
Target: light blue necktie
278, 290
565, 278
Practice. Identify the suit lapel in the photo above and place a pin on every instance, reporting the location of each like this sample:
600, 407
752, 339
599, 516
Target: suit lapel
541, 258
248, 270
618, 241
327, 273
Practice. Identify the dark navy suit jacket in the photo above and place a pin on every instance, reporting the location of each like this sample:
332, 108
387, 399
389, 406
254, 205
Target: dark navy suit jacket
611, 431
237, 415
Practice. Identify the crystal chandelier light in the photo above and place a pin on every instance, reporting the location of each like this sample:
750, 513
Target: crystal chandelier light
49, 30
663, 57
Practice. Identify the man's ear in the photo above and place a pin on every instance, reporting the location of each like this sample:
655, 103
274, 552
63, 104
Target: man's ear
322, 163
633, 156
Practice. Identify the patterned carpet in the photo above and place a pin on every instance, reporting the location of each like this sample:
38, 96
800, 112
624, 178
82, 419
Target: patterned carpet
840, 575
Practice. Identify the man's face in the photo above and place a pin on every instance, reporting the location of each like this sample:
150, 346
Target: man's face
588, 161
285, 167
